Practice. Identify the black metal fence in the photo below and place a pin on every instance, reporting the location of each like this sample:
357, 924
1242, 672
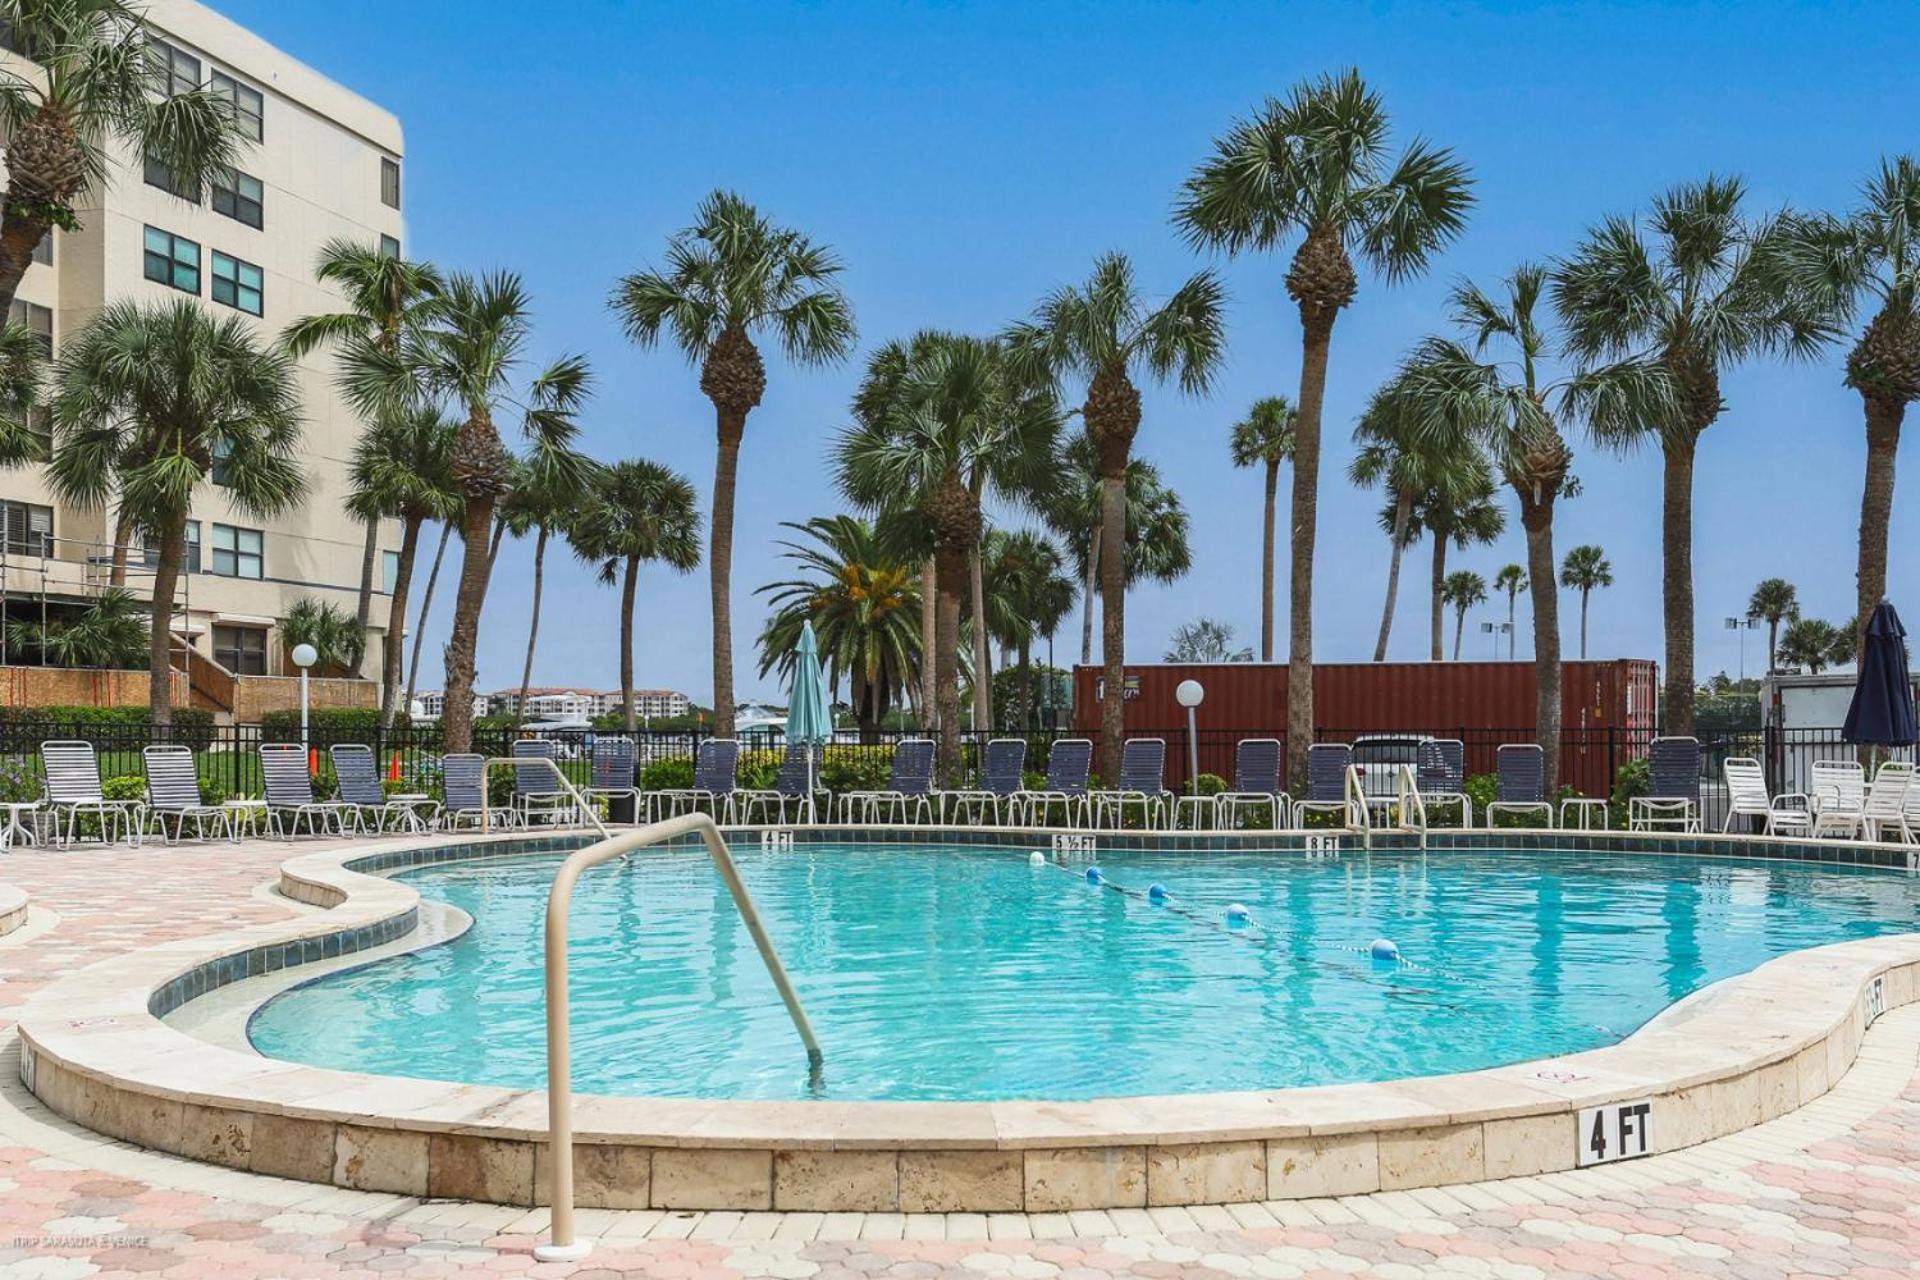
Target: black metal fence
229, 762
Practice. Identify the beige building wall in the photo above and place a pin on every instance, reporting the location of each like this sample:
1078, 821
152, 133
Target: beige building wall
319, 163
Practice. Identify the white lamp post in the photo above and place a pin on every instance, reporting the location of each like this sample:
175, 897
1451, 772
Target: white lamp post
304, 656
1190, 694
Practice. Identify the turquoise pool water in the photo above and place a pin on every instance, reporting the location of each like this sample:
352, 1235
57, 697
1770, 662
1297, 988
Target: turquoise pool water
966, 973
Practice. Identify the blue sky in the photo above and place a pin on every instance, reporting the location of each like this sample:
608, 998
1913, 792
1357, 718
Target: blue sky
966, 158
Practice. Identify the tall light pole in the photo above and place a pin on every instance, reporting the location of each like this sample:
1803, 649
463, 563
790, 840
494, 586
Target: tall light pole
304, 656
1493, 630
1189, 694
1743, 625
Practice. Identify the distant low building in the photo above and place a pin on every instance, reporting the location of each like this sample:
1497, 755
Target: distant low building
431, 706
568, 703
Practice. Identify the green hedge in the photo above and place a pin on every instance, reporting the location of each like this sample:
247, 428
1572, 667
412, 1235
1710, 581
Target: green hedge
337, 724
30, 725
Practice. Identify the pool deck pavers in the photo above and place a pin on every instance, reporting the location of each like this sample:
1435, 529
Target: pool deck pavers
1832, 1189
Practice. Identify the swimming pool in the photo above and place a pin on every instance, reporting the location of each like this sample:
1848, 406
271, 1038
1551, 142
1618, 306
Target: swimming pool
965, 973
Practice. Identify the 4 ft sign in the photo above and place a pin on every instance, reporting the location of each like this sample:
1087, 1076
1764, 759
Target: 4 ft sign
1617, 1131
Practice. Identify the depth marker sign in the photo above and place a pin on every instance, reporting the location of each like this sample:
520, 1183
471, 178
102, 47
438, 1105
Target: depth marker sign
1617, 1131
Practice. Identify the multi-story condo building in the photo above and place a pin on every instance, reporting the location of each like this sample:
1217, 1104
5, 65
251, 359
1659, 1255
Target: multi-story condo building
324, 163
574, 704
430, 706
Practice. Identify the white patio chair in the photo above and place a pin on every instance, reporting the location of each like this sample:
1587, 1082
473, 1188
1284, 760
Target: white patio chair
1839, 793
1885, 813
1747, 798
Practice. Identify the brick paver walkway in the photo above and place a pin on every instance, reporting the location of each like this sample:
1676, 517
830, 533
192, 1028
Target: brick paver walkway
1830, 1190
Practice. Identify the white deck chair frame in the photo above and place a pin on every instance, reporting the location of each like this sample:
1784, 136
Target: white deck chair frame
1747, 797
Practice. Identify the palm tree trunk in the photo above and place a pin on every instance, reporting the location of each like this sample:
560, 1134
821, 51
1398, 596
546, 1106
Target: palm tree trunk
726, 469
1459, 626
950, 571
456, 719
1676, 536
533, 626
1113, 622
1773, 641
166, 576
494, 540
1026, 683
1585, 592
982, 664
397, 622
628, 586
426, 602
929, 632
1438, 621
20, 234
1266, 565
1087, 589
1544, 594
1876, 506
1316, 340
122, 539
1511, 633
369, 558
1402, 514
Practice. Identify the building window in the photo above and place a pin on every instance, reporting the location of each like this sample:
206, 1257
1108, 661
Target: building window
237, 552
236, 283
172, 260
178, 71
389, 247
150, 553
159, 173
241, 650
43, 252
239, 196
249, 107
223, 462
389, 183
389, 570
37, 319
29, 528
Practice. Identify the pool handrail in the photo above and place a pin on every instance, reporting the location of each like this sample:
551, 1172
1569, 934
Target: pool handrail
486, 810
562, 1247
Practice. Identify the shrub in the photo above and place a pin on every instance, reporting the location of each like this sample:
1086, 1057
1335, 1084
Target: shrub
674, 773
864, 768
23, 729
1634, 778
328, 725
1211, 784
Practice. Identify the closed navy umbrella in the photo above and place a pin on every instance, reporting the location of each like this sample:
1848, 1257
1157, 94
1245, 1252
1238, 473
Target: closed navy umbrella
1882, 710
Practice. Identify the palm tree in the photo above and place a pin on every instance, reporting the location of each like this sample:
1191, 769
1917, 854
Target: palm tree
731, 274
23, 376
1315, 167
635, 512
336, 638
169, 384
1157, 544
1816, 645
1103, 331
1264, 438
1492, 386
384, 295
1695, 294
1463, 590
938, 419
402, 469
546, 497
864, 606
1870, 257
1458, 508
1774, 601
1585, 568
98, 87
426, 603
1029, 595
1205, 640
465, 358
1511, 579
111, 632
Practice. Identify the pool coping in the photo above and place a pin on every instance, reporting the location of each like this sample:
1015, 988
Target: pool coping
13, 908
94, 1048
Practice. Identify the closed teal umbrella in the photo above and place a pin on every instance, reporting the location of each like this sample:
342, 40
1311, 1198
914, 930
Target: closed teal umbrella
809, 718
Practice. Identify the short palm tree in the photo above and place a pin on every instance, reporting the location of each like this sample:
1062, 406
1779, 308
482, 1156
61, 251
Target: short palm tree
1314, 167
636, 512
98, 86
1264, 438
1103, 332
1205, 640
1585, 569
167, 385
1158, 547
1456, 509
1463, 590
730, 275
110, 632
1027, 578
336, 638
1492, 384
1690, 289
933, 416
403, 469
384, 295
1870, 258
1511, 580
545, 498
464, 360
1774, 601
864, 605
1816, 645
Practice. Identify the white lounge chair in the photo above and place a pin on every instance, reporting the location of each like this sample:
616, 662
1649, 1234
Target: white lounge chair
1885, 814
1839, 793
1791, 812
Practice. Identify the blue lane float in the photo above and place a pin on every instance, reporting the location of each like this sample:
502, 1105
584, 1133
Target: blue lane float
1237, 914
1384, 949
1093, 875
1156, 892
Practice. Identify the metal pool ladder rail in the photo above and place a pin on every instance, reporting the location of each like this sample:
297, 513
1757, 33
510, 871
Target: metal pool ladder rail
562, 1247
559, 775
